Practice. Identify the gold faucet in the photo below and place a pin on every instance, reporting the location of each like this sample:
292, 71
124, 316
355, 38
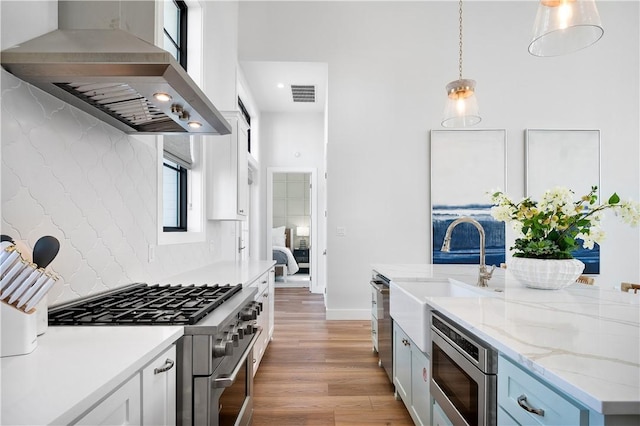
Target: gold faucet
483, 275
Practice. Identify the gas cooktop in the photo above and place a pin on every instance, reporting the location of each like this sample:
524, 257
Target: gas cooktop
142, 304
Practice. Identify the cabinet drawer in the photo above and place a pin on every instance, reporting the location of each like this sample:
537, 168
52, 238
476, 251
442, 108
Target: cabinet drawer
557, 409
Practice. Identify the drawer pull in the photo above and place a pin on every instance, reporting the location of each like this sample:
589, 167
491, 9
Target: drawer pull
522, 402
168, 365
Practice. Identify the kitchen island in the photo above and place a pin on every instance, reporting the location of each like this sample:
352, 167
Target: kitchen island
582, 340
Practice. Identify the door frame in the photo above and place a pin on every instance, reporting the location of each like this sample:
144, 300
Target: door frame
314, 286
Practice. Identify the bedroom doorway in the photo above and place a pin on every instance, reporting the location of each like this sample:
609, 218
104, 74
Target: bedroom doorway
291, 217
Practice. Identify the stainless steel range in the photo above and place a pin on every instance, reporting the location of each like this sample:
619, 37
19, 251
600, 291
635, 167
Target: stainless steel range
215, 360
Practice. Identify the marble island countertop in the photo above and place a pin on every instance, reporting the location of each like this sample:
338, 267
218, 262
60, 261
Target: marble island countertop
584, 340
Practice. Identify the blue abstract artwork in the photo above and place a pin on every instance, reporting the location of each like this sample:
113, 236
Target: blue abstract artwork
465, 166
569, 158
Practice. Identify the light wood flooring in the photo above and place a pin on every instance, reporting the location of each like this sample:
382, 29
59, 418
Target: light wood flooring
318, 372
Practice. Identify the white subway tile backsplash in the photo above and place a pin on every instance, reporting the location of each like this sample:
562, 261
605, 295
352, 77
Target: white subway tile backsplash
67, 174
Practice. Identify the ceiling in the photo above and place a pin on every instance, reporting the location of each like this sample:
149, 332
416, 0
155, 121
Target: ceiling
263, 79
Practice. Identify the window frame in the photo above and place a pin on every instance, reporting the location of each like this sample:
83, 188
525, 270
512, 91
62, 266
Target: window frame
181, 43
183, 197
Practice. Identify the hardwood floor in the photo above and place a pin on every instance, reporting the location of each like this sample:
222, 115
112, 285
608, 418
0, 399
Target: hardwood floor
318, 372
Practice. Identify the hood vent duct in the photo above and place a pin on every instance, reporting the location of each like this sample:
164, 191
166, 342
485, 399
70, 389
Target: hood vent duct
118, 78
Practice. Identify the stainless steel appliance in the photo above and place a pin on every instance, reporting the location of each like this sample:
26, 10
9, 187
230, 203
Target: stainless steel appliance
118, 78
463, 374
215, 355
385, 326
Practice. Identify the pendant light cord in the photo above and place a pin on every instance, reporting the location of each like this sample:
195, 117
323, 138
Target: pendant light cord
460, 43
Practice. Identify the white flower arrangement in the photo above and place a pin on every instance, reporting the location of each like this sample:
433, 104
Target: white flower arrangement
549, 229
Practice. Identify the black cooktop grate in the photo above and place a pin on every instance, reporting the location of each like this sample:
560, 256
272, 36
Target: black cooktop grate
142, 304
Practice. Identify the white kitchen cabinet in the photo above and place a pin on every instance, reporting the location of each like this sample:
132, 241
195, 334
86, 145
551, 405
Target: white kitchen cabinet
147, 398
272, 293
266, 321
121, 407
526, 400
411, 376
227, 171
159, 390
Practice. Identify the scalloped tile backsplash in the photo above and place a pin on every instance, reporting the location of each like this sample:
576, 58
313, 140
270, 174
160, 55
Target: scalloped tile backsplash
67, 174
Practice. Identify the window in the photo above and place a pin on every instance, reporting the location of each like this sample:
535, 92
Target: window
247, 117
177, 162
175, 30
174, 197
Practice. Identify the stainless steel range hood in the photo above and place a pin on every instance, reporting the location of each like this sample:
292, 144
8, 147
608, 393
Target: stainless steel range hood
116, 77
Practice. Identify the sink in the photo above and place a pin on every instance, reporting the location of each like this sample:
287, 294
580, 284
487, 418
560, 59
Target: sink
410, 309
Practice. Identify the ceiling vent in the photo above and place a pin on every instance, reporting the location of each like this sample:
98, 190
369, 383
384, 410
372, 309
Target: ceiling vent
303, 93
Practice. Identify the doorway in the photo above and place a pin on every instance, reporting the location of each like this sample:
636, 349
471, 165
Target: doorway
292, 205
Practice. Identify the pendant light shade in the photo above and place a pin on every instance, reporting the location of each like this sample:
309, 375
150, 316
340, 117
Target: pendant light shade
461, 109
565, 26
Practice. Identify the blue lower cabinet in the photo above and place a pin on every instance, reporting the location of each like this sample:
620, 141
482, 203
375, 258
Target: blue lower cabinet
420, 395
524, 399
439, 417
411, 377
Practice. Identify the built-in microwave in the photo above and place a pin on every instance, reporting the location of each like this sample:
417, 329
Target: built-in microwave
463, 374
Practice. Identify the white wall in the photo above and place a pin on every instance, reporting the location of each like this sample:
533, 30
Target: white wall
388, 65
69, 175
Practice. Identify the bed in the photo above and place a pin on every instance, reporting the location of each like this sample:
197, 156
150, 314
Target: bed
281, 245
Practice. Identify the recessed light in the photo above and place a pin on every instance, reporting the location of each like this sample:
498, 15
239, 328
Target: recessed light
162, 97
280, 86
195, 124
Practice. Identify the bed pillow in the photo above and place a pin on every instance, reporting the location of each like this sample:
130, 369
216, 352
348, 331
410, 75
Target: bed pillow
277, 237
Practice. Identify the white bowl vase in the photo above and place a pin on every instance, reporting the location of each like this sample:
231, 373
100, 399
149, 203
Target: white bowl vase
547, 274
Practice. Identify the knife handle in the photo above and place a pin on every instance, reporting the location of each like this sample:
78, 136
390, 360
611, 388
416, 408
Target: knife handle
41, 293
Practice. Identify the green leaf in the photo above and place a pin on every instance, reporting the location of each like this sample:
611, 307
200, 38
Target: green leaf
614, 199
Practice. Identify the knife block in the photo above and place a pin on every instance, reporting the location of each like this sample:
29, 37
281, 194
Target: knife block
19, 331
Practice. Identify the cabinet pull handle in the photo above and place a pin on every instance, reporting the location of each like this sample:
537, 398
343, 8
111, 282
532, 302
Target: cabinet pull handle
168, 365
405, 342
522, 402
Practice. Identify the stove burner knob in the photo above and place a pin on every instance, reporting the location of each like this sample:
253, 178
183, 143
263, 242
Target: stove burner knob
240, 332
222, 348
234, 339
248, 315
248, 329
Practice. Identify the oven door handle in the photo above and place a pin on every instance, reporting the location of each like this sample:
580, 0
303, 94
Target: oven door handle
380, 288
225, 382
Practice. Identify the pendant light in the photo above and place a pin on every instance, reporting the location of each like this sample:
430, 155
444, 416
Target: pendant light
565, 26
461, 109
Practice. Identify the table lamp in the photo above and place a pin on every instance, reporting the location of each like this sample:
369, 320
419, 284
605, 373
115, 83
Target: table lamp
302, 231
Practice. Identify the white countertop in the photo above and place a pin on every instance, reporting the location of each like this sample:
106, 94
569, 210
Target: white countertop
585, 340
229, 272
72, 368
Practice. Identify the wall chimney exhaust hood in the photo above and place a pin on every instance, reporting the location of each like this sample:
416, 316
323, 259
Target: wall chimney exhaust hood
118, 78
